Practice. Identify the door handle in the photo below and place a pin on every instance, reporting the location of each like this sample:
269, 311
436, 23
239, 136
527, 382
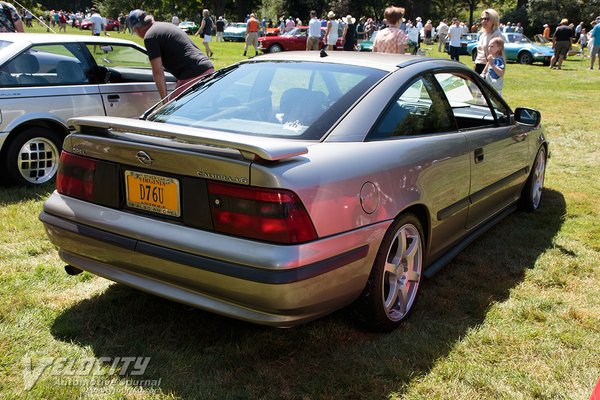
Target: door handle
478, 155
113, 98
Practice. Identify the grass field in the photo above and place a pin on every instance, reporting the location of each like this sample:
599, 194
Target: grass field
514, 316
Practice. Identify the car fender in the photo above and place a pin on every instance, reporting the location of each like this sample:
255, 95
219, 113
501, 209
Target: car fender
28, 118
31, 119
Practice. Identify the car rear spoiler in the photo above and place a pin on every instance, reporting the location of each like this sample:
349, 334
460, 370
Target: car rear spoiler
251, 147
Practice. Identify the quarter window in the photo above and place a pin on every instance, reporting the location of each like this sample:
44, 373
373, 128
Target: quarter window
418, 110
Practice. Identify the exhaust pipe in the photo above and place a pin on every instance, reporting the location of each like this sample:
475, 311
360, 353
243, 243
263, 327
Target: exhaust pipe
71, 270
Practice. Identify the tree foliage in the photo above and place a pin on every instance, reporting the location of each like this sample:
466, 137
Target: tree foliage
538, 12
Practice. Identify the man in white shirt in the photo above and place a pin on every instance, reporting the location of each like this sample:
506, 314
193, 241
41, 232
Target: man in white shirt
442, 31
454, 33
97, 22
314, 32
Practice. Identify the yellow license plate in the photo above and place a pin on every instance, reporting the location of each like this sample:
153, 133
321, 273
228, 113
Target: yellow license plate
154, 193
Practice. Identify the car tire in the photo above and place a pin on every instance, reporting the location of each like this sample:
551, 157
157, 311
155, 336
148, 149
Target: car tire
474, 55
115, 28
391, 290
525, 57
275, 48
32, 157
532, 191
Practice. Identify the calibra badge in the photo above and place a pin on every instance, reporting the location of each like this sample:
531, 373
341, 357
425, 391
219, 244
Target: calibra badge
144, 158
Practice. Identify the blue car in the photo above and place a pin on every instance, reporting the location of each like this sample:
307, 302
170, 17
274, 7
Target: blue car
519, 48
465, 39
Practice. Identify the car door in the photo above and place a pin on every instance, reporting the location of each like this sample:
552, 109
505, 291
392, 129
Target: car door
126, 84
299, 40
511, 46
432, 158
48, 81
497, 147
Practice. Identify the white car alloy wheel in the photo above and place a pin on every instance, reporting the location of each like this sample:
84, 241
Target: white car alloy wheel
394, 282
33, 156
402, 272
532, 192
539, 173
38, 160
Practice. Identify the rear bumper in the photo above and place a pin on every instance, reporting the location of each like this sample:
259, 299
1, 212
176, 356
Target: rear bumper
261, 283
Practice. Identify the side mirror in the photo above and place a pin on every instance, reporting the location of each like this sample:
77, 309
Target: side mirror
528, 116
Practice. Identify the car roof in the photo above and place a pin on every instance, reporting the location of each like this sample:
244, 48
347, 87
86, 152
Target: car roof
383, 61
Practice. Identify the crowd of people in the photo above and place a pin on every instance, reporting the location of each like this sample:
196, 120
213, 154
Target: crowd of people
395, 34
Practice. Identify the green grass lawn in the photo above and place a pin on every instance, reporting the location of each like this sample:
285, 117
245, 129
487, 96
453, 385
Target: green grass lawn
514, 316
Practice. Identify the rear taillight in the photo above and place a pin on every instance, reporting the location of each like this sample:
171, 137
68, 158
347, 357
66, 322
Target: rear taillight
75, 176
272, 215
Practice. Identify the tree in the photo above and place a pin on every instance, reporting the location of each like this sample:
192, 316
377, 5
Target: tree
552, 11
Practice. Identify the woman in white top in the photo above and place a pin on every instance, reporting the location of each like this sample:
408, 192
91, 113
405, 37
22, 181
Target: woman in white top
331, 35
490, 20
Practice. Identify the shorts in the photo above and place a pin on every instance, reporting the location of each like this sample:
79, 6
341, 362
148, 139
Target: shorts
562, 48
312, 43
207, 38
594, 51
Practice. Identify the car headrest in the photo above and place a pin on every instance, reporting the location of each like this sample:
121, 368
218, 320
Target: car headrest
70, 72
27, 64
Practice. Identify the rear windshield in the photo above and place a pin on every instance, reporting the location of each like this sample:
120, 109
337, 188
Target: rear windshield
4, 43
298, 100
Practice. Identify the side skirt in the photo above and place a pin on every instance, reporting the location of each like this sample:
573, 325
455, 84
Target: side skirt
460, 246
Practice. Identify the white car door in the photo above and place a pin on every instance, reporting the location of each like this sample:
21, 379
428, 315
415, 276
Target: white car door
127, 88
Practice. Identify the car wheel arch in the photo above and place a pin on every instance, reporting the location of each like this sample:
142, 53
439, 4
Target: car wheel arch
423, 215
521, 53
50, 124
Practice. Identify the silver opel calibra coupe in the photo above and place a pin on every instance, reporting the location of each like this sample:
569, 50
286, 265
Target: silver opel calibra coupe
288, 186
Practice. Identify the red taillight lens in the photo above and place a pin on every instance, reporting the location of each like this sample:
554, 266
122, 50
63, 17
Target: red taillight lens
75, 176
272, 215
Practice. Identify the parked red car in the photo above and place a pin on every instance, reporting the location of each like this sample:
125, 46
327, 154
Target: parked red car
111, 24
292, 40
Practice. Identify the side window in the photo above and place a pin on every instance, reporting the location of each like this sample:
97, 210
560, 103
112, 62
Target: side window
502, 111
116, 55
469, 105
418, 110
47, 65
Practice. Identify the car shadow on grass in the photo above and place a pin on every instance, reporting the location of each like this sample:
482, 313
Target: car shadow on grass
11, 194
196, 354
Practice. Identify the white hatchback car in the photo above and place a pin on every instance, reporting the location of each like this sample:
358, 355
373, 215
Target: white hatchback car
45, 79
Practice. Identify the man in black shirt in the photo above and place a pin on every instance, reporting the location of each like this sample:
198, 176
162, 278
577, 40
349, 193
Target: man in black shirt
561, 43
169, 48
220, 29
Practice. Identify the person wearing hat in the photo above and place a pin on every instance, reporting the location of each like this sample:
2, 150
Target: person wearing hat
251, 36
220, 29
349, 35
97, 22
561, 43
546, 33
170, 49
331, 34
595, 43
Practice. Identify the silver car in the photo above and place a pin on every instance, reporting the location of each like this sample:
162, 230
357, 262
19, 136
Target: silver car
290, 185
47, 79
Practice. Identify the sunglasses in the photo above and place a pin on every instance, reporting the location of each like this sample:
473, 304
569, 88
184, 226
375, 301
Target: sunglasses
485, 19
